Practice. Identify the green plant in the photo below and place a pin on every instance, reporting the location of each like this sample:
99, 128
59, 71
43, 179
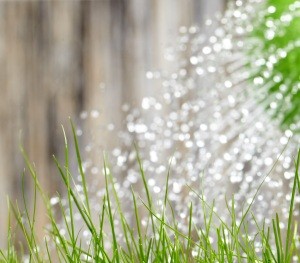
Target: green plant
159, 241
277, 56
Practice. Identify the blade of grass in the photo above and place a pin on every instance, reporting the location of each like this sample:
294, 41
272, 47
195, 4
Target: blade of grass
288, 254
149, 200
111, 221
137, 219
82, 174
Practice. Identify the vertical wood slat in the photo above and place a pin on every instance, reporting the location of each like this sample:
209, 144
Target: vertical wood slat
55, 57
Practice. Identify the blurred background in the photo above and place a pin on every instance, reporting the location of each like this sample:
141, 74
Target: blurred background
59, 58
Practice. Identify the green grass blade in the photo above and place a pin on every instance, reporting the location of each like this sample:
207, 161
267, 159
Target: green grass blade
82, 174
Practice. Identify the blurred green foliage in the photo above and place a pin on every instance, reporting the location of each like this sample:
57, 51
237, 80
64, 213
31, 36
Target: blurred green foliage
279, 30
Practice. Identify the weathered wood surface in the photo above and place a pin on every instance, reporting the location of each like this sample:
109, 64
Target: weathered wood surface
56, 56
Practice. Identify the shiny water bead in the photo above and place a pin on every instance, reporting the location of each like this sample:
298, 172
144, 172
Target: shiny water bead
54, 200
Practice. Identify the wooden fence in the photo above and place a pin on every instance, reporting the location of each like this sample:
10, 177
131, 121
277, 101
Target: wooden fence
58, 58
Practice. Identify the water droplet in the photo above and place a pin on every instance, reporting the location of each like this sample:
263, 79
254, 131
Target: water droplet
95, 114
271, 9
54, 200
194, 60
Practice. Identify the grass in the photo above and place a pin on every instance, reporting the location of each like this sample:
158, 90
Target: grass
160, 240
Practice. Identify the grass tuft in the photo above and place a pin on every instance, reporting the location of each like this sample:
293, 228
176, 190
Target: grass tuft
161, 240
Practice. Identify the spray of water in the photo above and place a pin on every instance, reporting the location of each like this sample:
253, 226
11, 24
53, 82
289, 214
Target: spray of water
209, 119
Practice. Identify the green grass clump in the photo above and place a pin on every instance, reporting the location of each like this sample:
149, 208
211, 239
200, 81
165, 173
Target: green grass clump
160, 240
